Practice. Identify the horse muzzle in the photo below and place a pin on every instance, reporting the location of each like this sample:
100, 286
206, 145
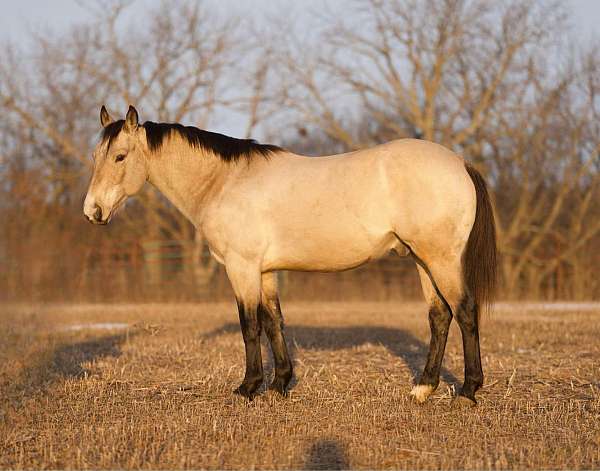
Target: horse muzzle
95, 216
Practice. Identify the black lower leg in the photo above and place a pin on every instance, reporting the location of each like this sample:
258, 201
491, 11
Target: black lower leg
468, 319
272, 321
251, 330
439, 322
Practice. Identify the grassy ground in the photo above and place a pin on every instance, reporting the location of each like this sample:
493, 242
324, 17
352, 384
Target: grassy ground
158, 394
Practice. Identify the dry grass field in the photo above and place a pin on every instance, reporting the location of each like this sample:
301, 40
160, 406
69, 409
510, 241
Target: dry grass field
158, 394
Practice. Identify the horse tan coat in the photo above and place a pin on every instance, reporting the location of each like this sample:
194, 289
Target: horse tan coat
291, 212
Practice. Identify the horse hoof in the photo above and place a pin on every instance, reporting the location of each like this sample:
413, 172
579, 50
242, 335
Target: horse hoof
421, 392
245, 391
463, 402
279, 388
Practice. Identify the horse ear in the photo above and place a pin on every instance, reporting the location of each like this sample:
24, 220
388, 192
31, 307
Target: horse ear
105, 118
131, 120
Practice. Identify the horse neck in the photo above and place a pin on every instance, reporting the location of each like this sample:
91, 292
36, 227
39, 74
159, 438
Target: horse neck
188, 177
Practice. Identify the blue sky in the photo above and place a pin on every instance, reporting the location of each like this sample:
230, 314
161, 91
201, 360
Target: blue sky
18, 16
21, 17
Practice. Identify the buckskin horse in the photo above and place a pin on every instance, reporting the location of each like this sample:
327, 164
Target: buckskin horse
263, 209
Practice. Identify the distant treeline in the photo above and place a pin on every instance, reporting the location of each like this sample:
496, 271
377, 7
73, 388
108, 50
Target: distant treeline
498, 82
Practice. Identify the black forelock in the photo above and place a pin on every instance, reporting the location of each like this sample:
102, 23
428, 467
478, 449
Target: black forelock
228, 149
111, 131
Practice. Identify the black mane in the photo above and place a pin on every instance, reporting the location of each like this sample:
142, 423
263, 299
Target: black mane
228, 149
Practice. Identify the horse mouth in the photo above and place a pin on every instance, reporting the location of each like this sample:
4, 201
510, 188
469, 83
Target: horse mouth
96, 222
112, 212
116, 208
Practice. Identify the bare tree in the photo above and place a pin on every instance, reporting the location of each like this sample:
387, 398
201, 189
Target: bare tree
179, 64
482, 77
495, 81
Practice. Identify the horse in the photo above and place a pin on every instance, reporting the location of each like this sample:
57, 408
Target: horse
262, 209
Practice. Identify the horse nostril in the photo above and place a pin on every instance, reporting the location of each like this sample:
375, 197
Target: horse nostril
98, 214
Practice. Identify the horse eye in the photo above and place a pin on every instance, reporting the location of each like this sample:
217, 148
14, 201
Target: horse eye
120, 158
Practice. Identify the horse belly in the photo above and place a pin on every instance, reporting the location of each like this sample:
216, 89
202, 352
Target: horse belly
328, 251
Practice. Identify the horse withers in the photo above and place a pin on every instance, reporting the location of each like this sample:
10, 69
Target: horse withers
262, 209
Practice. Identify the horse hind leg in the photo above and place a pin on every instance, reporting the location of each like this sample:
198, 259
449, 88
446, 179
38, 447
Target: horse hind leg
440, 317
448, 278
467, 316
272, 322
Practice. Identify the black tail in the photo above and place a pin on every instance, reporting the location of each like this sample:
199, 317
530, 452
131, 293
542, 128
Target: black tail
480, 262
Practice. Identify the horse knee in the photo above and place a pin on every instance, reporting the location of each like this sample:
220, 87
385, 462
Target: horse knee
271, 317
250, 322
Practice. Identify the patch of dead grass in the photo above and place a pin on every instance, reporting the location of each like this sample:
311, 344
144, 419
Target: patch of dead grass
159, 394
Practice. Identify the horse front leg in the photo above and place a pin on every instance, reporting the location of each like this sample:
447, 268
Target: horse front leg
272, 321
245, 280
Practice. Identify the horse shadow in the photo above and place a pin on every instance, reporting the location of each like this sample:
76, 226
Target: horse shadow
65, 361
399, 342
327, 454
68, 360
